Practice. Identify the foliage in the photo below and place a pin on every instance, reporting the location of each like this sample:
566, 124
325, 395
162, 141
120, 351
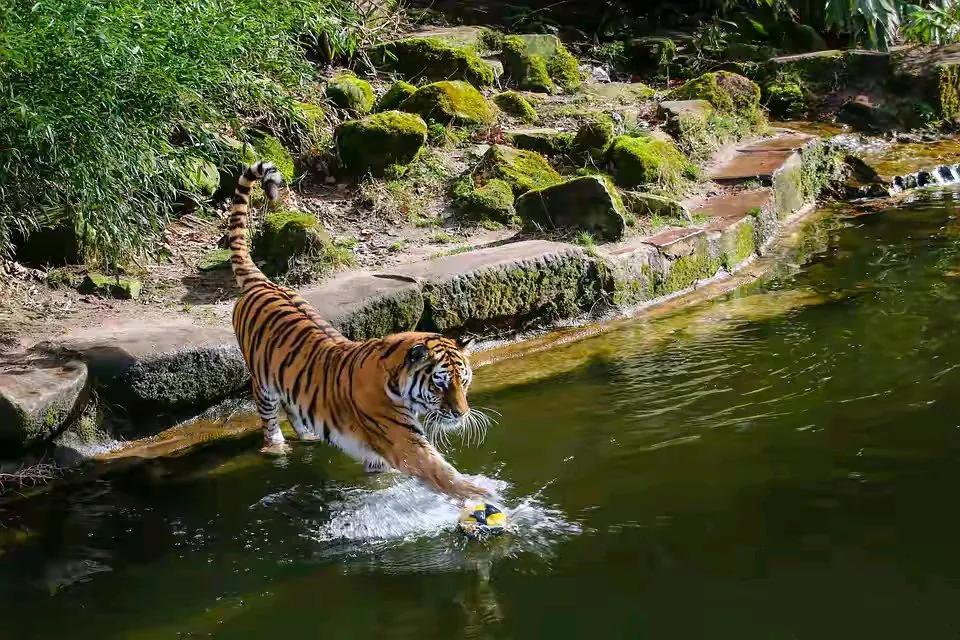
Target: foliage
102, 102
872, 22
938, 23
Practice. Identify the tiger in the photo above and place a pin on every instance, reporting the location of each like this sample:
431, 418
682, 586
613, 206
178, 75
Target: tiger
371, 399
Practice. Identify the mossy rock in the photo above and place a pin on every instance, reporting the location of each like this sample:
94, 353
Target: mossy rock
594, 137
215, 260
491, 201
381, 140
649, 161
526, 70
564, 70
119, 287
522, 170
432, 58
450, 101
785, 99
268, 148
746, 52
202, 177
285, 236
627, 93
588, 203
395, 95
545, 141
727, 92
514, 104
314, 119
649, 204
350, 93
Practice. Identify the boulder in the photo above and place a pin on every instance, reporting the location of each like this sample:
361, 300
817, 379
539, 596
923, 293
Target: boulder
432, 58
119, 287
39, 395
545, 141
522, 170
526, 70
350, 93
727, 92
287, 236
372, 144
450, 101
594, 137
492, 200
514, 104
677, 115
511, 285
785, 99
648, 204
395, 95
638, 161
540, 62
588, 203
863, 114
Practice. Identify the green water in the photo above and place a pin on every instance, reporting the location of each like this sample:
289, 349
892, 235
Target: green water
781, 463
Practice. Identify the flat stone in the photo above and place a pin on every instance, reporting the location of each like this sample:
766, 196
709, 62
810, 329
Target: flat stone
506, 286
677, 242
586, 203
39, 394
649, 204
759, 160
462, 36
727, 209
632, 265
540, 44
540, 139
625, 92
670, 109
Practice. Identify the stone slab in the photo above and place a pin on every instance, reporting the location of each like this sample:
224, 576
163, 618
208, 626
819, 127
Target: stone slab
727, 209
759, 160
39, 394
677, 242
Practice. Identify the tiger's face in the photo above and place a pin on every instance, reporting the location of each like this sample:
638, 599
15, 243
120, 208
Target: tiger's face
433, 381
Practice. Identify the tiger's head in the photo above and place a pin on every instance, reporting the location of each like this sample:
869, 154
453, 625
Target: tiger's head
430, 376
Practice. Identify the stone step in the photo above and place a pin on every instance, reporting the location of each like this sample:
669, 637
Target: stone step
759, 160
727, 209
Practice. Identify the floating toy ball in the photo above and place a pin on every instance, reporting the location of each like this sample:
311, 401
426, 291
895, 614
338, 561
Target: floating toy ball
481, 519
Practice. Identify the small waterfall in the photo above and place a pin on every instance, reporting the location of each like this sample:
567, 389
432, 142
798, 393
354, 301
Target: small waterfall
946, 174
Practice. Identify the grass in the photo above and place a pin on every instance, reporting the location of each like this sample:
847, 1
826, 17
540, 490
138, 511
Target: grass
416, 195
103, 104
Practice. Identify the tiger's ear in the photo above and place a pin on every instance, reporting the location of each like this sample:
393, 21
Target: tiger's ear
464, 343
417, 353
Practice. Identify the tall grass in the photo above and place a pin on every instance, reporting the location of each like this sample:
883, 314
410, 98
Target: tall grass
103, 101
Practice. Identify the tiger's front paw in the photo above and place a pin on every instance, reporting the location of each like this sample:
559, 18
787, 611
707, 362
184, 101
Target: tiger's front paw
277, 449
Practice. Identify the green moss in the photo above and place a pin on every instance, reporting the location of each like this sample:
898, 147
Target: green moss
564, 70
740, 247
948, 85
686, 271
395, 95
594, 137
379, 141
699, 137
785, 99
270, 149
120, 287
528, 71
649, 161
203, 177
516, 105
450, 101
216, 259
820, 165
432, 59
350, 93
522, 170
588, 203
292, 244
726, 91
492, 201
545, 141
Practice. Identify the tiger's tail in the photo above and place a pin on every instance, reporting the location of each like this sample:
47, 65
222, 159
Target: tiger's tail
244, 270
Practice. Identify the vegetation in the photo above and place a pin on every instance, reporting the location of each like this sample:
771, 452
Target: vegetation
103, 103
516, 105
450, 101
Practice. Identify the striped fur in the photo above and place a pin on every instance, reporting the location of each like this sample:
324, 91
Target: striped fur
380, 401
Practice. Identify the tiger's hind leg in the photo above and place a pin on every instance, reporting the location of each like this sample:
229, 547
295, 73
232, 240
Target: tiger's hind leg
268, 406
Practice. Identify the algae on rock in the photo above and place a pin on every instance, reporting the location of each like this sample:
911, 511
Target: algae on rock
649, 161
522, 170
395, 95
726, 91
514, 104
292, 244
432, 58
588, 203
450, 101
594, 137
492, 200
350, 93
379, 141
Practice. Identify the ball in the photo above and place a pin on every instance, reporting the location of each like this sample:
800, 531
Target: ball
481, 520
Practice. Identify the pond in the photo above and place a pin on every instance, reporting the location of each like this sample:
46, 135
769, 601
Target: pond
777, 463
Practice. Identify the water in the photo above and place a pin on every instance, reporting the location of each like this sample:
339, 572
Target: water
780, 463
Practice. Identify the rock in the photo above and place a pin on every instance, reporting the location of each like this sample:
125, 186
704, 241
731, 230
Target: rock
516, 105
378, 141
432, 58
727, 92
350, 93
540, 62
510, 285
594, 137
395, 95
861, 113
491, 201
588, 203
526, 70
120, 287
286, 236
820, 70
862, 180
522, 170
217, 259
637, 161
648, 204
39, 395
650, 56
744, 52
460, 36
314, 118
785, 99
269, 148
546, 141
679, 115
202, 178
450, 101
622, 92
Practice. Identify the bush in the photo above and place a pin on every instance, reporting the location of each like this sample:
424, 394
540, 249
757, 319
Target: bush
105, 103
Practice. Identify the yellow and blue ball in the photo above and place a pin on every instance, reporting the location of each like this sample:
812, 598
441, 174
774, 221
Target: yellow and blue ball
481, 519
